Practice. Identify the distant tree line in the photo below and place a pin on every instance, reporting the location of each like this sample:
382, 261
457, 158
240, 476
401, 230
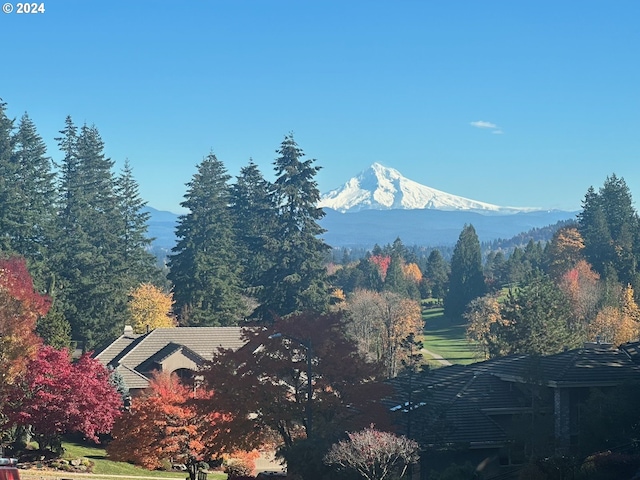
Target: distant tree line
581, 286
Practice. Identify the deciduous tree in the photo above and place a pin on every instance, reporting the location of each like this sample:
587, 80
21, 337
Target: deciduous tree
581, 286
564, 251
379, 322
484, 320
374, 454
150, 308
164, 423
55, 396
264, 385
617, 325
20, 308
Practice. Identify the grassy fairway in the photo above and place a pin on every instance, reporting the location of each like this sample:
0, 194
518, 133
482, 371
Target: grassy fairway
446, 337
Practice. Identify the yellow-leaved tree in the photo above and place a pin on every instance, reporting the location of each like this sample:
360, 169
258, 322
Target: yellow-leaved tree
618, 325
150, 308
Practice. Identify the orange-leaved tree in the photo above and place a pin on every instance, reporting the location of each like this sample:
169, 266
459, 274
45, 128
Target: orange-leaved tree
565, 250
149, 308
20, 308
164, 423
581, 286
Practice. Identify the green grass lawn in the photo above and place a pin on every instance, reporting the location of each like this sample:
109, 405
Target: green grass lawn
103, 466
446, 337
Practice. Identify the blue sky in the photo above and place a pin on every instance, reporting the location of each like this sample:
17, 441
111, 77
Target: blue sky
406, 83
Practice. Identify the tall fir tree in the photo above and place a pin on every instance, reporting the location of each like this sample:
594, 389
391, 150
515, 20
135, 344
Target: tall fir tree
467, 280
254, 217
610, 228
9, 203
297, 279
139, 265
203, 267
437, 271
35, 186
88, 260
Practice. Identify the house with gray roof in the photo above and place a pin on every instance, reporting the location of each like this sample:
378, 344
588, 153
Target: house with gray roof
477, 412
182, 350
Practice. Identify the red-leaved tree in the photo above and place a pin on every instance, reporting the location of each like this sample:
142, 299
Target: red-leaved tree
163, 423
264, 385
20, 307
55, 396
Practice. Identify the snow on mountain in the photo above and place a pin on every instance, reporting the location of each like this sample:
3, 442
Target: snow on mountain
383, 188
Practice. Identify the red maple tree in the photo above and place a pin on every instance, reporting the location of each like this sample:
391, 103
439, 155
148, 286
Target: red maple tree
55, 396
382, 262
164, 423
20, 307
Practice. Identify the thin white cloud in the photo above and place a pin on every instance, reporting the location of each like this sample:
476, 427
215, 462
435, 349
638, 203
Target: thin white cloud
490, 125
483, 124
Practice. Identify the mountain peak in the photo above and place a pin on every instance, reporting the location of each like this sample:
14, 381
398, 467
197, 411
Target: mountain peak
384, 188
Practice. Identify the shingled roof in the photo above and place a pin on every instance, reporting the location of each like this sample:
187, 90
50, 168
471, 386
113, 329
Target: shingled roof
462, 404
132, 354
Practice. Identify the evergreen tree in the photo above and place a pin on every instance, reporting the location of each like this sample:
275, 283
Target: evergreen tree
204, 269
297, 279
8, 198
54, 329
254, 216
394, 279
139, 265
87, 259
467, 280
35, 187
536, 318
437, 271
495, 269
610, 228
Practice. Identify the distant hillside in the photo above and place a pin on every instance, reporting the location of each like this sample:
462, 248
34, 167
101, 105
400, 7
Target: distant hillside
429, 228
543, 234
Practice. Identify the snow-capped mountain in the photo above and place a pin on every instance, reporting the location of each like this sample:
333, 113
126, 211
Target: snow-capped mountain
383, 188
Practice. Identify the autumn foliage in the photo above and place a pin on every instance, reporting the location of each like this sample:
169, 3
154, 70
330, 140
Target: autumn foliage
55, 396
165, 423
20, 307
264, 384
150, 308
382, 262
617, 325
378, 322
